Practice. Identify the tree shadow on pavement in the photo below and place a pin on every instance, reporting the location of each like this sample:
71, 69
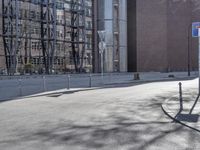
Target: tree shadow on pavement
139, 126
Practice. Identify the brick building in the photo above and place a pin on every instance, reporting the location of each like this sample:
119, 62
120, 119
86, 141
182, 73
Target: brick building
141, 35
159, 35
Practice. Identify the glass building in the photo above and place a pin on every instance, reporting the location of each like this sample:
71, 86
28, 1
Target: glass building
45, 36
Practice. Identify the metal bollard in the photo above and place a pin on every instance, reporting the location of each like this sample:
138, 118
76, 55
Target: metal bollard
20, 86
136, 76
44, 83
102, 78
110, 77
180, 96
90, 81
68, 82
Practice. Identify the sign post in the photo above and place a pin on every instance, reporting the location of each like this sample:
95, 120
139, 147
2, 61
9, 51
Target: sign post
199, 57
196, 33
102, 47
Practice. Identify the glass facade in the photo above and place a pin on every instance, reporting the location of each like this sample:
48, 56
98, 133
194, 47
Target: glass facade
35, 29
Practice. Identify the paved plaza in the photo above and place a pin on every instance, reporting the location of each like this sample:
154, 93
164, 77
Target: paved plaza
117, 117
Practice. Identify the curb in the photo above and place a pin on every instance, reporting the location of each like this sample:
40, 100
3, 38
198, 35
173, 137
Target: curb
174, 119
59, 91
177, 121
108, 85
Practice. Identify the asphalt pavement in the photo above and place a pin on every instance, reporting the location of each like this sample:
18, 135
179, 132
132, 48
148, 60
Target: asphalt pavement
121, 117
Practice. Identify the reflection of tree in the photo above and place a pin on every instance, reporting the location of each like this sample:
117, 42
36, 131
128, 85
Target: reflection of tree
24, 54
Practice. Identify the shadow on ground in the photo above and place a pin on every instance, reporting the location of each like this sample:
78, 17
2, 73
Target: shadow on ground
136, 126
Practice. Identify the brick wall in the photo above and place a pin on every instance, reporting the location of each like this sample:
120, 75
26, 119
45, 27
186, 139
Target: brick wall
151, 35
162, 31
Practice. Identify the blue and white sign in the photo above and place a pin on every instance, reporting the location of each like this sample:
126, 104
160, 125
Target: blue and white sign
196, 33
195, 29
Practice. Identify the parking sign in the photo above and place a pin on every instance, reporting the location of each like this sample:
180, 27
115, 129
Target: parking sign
195, 29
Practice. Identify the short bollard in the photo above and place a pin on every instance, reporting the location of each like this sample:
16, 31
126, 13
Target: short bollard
102, 78
136, 76
90, 81
180, 96
68, 82
44, 83
20, 86
110, 78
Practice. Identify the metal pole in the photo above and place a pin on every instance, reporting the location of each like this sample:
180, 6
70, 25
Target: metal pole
20, 86
199, 65
110, 78
44, 83
180, 96
90, 81
102, 67
189, 50
196, 26
68, 82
